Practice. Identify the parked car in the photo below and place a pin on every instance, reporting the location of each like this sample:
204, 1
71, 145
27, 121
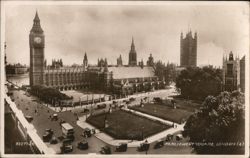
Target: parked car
101, 106
159, 144
70, 137
83, 145
85, 110
169, 137
46, 137
143, 146
29, 118
157, 100
86, 132
179, 137
66, 146
122, 147
105, 150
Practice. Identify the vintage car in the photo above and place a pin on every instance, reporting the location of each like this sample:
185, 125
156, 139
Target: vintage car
159, 144
169, 137
143, 146
29, 118
47, 137
122, 147
66, 146
86, 132
54, 117
179, 137
105, 150
83, 145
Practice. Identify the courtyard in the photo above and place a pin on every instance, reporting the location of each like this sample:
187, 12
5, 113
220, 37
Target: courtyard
126, 125
180, 114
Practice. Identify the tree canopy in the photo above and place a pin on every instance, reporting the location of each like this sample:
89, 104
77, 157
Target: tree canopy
198, 83
219, 124
165, 72
48, 94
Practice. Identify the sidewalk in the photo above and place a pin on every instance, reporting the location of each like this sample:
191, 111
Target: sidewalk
150, 117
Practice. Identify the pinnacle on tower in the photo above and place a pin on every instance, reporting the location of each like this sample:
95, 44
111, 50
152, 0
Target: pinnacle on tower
132, 45
36, 24
85, 56
36, 17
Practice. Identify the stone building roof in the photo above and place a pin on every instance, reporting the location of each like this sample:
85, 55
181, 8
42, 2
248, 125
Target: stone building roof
64, 69
131, 72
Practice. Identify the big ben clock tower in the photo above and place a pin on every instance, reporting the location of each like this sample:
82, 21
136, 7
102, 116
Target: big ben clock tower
36, 41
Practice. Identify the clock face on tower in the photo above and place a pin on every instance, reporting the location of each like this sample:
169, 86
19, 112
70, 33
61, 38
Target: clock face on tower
37, 40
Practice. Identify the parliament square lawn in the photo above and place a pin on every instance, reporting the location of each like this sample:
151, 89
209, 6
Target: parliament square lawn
180, 114
126, 125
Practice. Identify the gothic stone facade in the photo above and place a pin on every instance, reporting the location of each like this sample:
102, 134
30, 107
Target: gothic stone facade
233, 73
188, 57
111, 79
36, 42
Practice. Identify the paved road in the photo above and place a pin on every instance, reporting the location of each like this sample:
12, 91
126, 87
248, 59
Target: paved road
41, 122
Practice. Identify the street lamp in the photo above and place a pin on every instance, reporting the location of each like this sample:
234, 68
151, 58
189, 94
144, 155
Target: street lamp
142, 134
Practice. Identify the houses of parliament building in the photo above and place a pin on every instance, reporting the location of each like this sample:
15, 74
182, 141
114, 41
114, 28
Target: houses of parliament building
118, 79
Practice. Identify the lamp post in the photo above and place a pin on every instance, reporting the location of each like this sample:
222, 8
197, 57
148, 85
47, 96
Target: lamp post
142, 134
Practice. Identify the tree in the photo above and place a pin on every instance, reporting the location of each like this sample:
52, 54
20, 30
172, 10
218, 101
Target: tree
198, 83
166, 72
49, 95
220, 121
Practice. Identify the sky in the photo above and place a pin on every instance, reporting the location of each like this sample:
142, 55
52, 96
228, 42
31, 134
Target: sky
106, 31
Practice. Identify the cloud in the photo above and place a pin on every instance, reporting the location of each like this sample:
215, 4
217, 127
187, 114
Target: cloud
106, 31
210, 53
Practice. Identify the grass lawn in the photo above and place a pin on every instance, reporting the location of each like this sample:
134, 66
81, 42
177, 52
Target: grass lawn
181, 113
126, 125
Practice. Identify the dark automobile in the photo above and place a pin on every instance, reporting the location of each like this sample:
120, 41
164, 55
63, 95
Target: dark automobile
105, 150
54, 117
122, 147
66, 146
86, 132
143, 147
179, 137
159, 144
53, 140
29, 118
85, 110
169, 137
157, 100
70, 137
46, 137
83, 145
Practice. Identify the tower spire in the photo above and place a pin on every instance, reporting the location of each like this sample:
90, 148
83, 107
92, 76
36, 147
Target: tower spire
36, 24
36, 17
132, 45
